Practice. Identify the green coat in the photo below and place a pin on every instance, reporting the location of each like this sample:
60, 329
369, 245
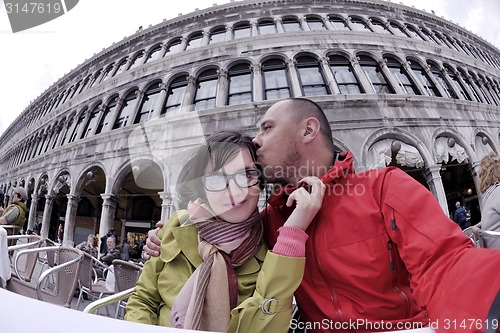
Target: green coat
277, 277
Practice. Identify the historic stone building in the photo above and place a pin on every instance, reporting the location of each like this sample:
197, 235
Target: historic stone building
100, 147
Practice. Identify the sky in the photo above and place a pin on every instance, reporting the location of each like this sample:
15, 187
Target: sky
32, 60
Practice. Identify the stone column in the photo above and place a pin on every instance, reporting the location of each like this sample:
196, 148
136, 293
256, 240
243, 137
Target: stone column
205, 39
433, 178
254, 29
99, 115
257, 83
222, 88
229, 32
360, 74
279, 25
303, 23
416, 81
166, 205
88, 112
69, 220
187, 102
32, 212
437, 84
392, 80
47, 212
140, 95
294, 78
160, 101
113, 115
107, 214
330, 79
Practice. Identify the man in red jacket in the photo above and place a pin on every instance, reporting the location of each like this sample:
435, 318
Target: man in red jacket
381, 253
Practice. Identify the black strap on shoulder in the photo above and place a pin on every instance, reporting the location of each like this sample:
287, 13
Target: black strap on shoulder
492, 321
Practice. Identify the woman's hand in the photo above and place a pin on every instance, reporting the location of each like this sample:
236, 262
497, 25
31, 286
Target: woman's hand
308, 200
153, 243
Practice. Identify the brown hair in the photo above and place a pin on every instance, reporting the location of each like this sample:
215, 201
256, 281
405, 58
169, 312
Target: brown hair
489, 171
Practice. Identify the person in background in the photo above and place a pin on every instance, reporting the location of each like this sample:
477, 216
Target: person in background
15, 213
460, 215
489, 185
215, 272
60, 233
89, 246
103, 246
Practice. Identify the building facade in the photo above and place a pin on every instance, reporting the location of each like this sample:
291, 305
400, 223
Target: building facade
101, 147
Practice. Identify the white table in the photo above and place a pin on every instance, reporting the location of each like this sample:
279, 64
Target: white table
4, 259
21, 314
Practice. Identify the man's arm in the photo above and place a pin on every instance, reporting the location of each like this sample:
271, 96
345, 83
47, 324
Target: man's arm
11, 216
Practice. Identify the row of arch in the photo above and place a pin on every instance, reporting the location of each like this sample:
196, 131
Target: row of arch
307, 74
264, 26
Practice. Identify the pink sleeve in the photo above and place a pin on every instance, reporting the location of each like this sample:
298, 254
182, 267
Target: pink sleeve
291, 242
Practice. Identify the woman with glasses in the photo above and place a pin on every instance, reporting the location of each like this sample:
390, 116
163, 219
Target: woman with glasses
215, 273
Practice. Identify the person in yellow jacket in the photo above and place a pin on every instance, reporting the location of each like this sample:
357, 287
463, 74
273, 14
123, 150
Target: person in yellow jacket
15, 213
215, 273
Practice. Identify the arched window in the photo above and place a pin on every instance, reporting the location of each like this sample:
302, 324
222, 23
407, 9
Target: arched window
275, 79
430, 88
481, 84
148, 103
430, 38
402, 77
457, 85
359, 25
120, 67
315, 23
344, 76
85, 82
106, 73
75, 89
175, 94
240, 84
174, 46
137, 61
398, 30
79, 123
153, 54
379, 27
291, 24
194, 40
85, 208
66, 131
266, 27
467, 81
206, 89
441, 40
94, 78
92, 121
338, 23
374, 75
442, 80
414, 33
311, 77
242, 30
105, 118
218, 35
490, 85
126, 110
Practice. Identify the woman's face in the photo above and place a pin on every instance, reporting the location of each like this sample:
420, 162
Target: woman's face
235, 203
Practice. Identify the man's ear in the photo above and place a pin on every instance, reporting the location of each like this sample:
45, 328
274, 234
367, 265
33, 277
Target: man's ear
311, 129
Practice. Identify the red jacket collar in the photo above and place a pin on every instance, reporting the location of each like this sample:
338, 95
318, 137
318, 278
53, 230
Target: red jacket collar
342, 167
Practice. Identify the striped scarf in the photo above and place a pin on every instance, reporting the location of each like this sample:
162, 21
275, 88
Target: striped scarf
206, 300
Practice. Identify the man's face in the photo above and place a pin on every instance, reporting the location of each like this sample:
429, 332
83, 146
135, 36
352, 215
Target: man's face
110, 243
277, 143
16, 198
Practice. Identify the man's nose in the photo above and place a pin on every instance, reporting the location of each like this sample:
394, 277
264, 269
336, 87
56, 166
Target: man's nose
256, 141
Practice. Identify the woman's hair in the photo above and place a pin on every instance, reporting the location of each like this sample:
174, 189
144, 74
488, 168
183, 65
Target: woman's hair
219, 148
489, 171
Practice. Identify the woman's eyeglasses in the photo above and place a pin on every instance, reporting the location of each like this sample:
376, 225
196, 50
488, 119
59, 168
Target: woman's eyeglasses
217, 182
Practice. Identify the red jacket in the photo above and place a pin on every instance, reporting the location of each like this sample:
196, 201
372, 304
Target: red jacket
381, 249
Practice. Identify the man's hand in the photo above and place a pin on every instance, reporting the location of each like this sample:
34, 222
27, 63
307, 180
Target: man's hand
153, 243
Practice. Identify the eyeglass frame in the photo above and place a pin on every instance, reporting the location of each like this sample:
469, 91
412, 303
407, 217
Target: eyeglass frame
228, 178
